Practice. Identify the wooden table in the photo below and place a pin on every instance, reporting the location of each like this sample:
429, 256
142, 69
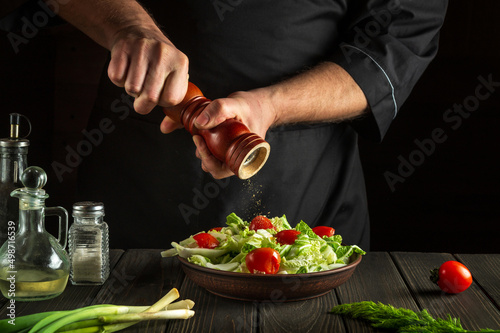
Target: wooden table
140, 277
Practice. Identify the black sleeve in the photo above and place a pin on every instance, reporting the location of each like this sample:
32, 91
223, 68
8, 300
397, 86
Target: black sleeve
386, 47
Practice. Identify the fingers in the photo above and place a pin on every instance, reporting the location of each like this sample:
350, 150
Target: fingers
169, 125
209, 163
165, 84
117, 69
150, 69
176, 84
217, 112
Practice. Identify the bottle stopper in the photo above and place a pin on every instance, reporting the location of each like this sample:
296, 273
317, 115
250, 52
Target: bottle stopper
34, 178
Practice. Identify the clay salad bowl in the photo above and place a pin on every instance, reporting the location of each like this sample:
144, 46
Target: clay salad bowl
267, 287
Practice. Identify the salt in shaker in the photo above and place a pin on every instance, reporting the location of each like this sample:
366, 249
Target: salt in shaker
89, 244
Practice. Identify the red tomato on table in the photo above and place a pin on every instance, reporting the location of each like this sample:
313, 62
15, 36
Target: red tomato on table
206, 240
263, 261
452, 277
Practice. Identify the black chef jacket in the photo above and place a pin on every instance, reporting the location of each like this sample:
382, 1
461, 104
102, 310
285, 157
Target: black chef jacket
152, 184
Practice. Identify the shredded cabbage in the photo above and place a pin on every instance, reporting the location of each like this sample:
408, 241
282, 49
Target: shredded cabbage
309, 253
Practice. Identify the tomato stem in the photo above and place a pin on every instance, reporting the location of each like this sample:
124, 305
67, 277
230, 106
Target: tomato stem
434, 275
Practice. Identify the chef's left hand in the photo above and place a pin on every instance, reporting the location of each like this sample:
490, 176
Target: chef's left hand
252, 108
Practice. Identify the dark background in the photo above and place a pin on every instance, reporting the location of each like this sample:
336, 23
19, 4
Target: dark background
448, 202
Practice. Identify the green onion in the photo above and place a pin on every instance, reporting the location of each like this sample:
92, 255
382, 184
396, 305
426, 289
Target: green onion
100, 318
171, 296
127, 318
184, 304
24, 322
82, 314
56, 316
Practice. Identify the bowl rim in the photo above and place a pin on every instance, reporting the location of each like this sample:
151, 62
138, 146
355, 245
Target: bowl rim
349, 266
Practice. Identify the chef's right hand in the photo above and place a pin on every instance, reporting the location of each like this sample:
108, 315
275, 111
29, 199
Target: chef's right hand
149, 67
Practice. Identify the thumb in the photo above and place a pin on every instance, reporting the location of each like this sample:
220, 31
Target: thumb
203, 119
214, 113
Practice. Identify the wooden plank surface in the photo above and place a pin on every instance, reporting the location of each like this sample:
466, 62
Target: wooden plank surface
472, 306
136, 280
214, 313
485, 269
376, 279
73, 296
141, 277
300, 316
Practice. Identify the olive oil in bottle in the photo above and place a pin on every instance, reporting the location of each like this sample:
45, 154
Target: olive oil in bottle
33, 284
33, 263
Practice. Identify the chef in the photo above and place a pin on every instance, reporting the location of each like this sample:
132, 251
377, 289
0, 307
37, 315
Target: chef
309, 76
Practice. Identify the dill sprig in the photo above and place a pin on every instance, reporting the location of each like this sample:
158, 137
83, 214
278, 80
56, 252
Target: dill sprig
400, 320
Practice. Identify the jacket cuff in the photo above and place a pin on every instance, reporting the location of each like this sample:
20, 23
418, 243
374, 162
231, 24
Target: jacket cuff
376, 84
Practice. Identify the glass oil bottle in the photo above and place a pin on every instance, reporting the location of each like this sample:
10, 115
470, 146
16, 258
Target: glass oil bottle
33, 264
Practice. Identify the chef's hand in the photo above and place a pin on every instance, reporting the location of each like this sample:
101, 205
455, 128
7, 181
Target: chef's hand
149, 66
306, 97
252, 108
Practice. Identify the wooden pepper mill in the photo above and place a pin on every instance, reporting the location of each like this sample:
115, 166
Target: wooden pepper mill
231, 142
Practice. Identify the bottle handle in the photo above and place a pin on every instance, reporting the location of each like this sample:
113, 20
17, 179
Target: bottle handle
63, 218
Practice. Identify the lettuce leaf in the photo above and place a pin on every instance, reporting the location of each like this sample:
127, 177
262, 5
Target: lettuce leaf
346, 251
235, 223
280, 223
309, 253
186, 252
306, 230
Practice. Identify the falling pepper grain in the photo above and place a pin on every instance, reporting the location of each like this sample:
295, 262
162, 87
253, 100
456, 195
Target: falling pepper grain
254, 206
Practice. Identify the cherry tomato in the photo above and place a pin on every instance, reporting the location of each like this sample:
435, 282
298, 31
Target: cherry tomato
452, 277
263, 261
287, 236
206, 241
323, 231
215, 229
261, 222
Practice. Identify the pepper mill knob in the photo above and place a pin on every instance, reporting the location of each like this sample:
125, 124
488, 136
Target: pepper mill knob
231, 142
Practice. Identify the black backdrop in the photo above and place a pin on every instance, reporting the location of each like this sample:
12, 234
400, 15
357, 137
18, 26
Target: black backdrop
433, 183
449, 197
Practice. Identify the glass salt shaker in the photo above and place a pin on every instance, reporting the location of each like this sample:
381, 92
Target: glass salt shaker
89, 244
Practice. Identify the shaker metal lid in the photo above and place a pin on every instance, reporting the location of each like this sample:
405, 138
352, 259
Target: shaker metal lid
14, 143
88, 207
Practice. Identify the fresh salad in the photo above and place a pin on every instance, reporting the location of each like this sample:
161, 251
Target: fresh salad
265, 246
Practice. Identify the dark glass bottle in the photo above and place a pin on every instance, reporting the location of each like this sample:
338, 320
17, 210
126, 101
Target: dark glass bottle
13, 161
